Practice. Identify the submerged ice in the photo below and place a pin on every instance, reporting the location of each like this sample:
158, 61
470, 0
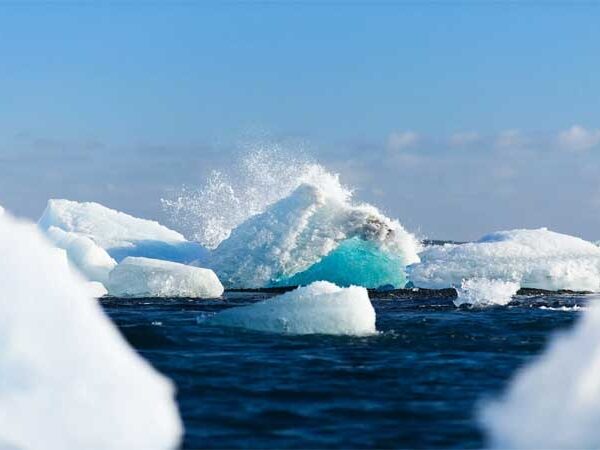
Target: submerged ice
68, 378
536, 258
145, 277
319, 308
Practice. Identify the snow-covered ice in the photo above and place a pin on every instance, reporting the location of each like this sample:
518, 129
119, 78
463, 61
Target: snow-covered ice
533, 258
68, 378
316, 233
145, 277
92, 260
96, 289
484, 292
554, 402
120, 234
320, 308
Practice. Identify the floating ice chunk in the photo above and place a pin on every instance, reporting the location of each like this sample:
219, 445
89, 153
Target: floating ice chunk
96, 289
68, 379
120, 234
300, 230
533, 258
553, 402
93, 261
320, 308
484, 292
144, 277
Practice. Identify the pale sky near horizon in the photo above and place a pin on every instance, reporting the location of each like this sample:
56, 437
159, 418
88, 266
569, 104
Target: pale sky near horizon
457, 118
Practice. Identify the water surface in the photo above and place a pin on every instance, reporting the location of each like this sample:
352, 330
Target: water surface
415, 385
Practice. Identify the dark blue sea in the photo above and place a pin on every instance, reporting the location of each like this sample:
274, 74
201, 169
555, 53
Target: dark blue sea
415, 385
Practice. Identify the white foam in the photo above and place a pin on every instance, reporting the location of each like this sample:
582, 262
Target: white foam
69, 380
120, 234
299, 230
533, 258
259, 178
320, 308
144, 277
553, 402
484, 292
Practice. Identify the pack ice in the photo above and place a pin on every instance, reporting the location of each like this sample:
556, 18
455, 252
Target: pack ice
144, 277
120, 234
69, 380
536, 258
316, 233
320, 308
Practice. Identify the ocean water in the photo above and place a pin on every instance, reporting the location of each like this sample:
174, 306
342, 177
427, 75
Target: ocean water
417, 384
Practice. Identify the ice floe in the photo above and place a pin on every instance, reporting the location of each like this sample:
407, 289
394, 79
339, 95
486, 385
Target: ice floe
120, 234
320, 308
554, 402
83, 253
68, 379
537, 258
145, 277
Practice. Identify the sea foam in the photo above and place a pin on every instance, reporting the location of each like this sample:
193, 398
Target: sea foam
69, 380
482, 292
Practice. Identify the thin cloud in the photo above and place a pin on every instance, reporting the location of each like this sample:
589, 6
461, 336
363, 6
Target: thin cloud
464, 138
578, 139
400, 140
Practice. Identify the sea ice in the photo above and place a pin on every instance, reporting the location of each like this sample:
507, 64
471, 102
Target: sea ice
532, 258
68, 379
96, 289
484, 292
554, 402
144, 277
320, 308
92, 260
120, 234
306, 228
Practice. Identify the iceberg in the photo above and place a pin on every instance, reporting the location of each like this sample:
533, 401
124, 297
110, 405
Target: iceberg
145, 277
120, 234
314, 234
554, 402
537, 258
90, 259
69, 380
320, 308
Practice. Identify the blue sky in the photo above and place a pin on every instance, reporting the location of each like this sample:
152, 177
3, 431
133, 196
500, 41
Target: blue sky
456, 117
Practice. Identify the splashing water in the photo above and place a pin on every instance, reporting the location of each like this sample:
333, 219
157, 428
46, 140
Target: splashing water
285, 220
483, 292
261, 177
